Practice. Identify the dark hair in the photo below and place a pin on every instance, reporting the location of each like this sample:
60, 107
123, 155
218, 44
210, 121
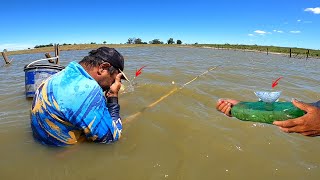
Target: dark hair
103, 54
90, 62
112, 69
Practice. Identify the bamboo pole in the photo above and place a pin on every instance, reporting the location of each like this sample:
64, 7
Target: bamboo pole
49, 56
5, 57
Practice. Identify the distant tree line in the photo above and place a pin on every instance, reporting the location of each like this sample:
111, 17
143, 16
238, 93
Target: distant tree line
296, 52
50, 45
154, 41
292, 51
130, 41
135, 41
41, 46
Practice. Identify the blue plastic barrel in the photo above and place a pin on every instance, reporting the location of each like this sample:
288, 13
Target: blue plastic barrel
35, 74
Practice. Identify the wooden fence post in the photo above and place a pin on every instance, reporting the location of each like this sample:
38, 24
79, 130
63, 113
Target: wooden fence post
49, 56
307, 54
57, 52
267, 51
5, 57
290, 52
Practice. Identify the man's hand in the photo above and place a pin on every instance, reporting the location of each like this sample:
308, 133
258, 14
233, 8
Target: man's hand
115, 87
225, 105
308, 125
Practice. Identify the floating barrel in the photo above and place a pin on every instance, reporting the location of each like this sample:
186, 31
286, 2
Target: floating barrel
35, 74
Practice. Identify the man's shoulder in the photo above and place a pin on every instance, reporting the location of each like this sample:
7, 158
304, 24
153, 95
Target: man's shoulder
74, 75
73, 86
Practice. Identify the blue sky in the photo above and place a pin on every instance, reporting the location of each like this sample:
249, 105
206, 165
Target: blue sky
289, 23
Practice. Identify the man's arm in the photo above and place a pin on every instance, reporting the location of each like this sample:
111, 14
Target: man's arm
114, 110
108, 127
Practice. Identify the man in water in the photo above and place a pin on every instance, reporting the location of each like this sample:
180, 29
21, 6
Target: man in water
308, 124
80, 102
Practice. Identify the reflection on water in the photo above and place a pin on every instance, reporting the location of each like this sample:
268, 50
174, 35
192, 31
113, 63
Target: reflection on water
182, 136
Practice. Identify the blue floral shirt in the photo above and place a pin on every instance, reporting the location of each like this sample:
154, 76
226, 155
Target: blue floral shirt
71, 105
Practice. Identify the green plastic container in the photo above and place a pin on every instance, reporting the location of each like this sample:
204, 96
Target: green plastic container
265, 112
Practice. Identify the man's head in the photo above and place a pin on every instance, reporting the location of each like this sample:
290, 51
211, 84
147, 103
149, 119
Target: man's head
103, 64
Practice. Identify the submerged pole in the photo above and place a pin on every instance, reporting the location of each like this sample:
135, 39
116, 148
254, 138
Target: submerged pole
5, 57
49, 56
290, 52
57, 52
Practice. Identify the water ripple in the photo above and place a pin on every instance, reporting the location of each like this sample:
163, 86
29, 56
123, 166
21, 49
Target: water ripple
183, 132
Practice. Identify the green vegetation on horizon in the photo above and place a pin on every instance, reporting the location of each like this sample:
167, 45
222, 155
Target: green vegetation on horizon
296, 52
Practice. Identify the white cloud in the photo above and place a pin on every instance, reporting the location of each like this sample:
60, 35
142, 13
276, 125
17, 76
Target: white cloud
12, 47
250, 34
299, 20
313, 10
260, 32
295, 32
278, 31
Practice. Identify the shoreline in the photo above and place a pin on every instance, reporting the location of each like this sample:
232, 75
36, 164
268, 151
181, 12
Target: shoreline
257, 49
293, 55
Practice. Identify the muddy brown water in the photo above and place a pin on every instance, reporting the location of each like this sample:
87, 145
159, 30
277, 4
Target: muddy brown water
182, 136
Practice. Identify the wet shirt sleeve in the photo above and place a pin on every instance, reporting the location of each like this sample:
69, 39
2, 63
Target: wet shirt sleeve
114, 109
316, 104
88, 111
